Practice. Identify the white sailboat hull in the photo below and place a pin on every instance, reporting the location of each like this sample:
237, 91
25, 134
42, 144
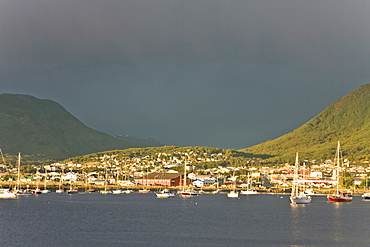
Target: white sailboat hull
300, 199
5, 193
248, 192
233, 194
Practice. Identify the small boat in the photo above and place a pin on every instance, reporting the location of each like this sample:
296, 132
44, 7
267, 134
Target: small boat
233, 194
215, 192
127, 191
165, 194
36, 191
144, 191
59, 191
189, 193
21, 192
6, 193
248, 192
91, 190
117, 192
72, 191
309, 192
366, 196
45, 190
338, 196
298, 197
105, 192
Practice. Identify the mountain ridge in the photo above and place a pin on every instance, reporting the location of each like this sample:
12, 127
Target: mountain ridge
346, 120
43, 129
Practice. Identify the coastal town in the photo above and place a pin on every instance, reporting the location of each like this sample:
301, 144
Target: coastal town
204, 171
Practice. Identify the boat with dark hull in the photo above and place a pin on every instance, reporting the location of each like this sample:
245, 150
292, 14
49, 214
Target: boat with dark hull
339, 196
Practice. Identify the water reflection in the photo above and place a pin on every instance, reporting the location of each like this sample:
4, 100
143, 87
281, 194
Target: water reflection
297, 215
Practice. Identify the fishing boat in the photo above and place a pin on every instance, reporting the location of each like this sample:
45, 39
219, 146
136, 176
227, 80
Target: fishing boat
298, 197
6, 193
339, 196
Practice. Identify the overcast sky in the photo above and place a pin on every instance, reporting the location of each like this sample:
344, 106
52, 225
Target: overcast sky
226, 73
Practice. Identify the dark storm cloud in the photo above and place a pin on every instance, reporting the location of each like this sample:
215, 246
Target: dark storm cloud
215, 73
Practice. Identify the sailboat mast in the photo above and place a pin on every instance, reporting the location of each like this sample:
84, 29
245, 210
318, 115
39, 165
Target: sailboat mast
19, 172
295, 178
338, 165
184, 183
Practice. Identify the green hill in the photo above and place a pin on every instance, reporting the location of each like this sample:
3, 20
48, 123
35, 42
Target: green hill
346, 120
43, 129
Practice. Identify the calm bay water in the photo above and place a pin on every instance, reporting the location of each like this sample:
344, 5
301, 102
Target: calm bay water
207, 220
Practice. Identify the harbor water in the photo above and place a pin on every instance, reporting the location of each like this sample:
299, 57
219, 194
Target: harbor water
207, 220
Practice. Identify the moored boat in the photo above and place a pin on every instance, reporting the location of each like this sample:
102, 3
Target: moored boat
189, 193
298, 197
143, 191
338, 196
6, 193
36, 191
165, 194
106, 192
233, 194
366, 196
117, 192
248, 192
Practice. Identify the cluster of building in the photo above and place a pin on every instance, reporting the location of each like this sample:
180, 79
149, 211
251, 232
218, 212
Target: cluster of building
168, 170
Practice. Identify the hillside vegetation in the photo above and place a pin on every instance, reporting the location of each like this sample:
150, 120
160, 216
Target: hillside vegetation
43, 129
346, 120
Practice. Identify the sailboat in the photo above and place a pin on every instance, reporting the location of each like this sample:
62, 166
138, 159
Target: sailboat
233, 193
45, 190
185, 192
37, 190
165, 193
19, 191
60, 190
249, 190
6, 193
338, 196
298, 197
105, 191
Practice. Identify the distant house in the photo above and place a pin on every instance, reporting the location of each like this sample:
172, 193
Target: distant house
161, 179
